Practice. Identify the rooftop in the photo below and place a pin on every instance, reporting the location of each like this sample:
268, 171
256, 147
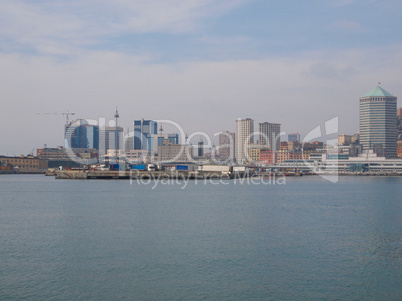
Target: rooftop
378, 91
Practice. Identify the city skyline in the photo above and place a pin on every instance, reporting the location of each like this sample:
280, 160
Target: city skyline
198, 63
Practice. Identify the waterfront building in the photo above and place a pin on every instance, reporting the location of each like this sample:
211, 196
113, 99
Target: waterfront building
377, 114
283, 155
267, 156
269, 134
24, 164
254, 152
143, 131
169, 152
227, 146
399, 149
294, 137
244, 137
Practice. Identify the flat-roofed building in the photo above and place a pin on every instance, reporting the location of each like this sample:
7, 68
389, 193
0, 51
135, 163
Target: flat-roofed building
24, 164
169, 152
226, 146
244, 137
269, 134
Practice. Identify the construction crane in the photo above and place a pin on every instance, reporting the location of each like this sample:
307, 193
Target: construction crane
66, 113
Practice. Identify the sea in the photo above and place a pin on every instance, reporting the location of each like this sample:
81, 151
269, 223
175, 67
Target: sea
294, 238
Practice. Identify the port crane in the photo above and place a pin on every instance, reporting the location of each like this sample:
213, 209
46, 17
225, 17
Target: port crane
66, 113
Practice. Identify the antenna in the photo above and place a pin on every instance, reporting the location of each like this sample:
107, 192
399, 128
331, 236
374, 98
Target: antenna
116, 117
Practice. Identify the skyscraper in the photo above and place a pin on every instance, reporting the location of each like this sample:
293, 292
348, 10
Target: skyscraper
81, 134
109, 138
244, 137
377, 114
226, 145
269, 135
143, 129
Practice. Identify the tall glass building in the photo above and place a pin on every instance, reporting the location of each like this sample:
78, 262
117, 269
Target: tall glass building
378, 118
143, 130
80, 134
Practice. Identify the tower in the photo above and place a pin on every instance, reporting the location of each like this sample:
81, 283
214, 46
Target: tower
244, 136
377, 121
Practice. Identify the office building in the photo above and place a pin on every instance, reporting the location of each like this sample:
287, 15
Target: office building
226, 146
143, 130
80, 134
110, 138
378, 113
169, 152
269, 135
244, 137
158, 139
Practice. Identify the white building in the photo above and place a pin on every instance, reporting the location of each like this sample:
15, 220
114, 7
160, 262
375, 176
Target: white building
244, 137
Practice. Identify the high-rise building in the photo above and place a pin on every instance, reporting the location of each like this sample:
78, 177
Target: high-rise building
80, 134
294, 137
200, 149
143, 130
226, 146
110, 138
269, 134
377, 113
244, 137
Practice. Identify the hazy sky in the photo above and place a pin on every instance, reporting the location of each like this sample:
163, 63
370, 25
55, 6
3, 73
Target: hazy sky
201, 63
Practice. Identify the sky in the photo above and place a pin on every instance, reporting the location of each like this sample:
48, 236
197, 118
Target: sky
200, 63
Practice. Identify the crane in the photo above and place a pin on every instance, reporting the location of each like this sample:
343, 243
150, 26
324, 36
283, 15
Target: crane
66, 113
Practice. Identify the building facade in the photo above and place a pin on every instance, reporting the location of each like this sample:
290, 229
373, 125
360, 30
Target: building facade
294, 137
377, 125
169, 152
269, 135
22, 164
345, 139
109, 138
244, 137
80, 134
227, 146
143, 131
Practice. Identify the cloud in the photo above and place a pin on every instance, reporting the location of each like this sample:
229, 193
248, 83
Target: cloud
346, 26
57, 26
328, 71
342, 2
